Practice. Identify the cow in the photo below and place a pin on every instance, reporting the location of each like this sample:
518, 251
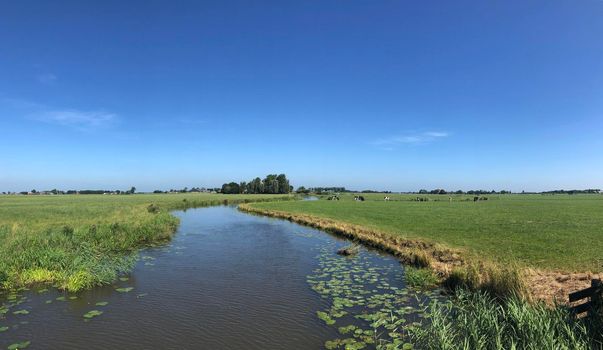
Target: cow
386, 198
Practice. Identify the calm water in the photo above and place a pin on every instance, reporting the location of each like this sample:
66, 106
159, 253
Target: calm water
227, 280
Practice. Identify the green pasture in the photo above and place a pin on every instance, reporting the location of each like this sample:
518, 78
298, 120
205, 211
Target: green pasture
551, 232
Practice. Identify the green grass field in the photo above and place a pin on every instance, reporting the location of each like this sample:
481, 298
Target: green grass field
78, 241
549, 232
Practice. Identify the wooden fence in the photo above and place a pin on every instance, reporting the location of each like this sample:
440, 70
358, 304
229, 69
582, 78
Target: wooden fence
595, 295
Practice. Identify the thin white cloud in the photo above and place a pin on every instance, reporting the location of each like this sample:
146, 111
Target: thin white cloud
390, 143
77, 119
436, 134
46, 78
68, 117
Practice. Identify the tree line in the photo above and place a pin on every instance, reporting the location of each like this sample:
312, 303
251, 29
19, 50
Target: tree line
271, 184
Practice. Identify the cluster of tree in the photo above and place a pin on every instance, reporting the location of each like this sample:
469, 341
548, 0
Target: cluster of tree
374, 191
302, 190
271, 184
587, 191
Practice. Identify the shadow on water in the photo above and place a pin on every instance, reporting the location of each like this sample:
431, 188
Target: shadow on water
227, 280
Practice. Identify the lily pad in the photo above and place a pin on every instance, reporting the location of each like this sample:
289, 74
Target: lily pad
102, 303
93, 313
3, 329
17, 346
325, 317
21, 312
125, 289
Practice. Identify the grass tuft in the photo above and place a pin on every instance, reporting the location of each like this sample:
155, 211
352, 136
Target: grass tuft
420, 278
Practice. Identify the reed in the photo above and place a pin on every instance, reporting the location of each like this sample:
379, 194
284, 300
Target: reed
477, 320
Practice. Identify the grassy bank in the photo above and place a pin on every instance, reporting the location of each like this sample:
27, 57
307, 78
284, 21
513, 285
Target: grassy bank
494, 306
78, 241
486, 243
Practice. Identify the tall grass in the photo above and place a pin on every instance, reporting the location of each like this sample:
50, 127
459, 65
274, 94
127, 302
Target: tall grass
478, 321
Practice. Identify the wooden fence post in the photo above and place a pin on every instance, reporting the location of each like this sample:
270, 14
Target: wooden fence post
597, 296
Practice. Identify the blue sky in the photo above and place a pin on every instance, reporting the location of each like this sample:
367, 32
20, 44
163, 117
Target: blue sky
395, 95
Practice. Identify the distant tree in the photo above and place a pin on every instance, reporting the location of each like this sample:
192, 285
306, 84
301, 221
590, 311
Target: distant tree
230, 188
256, 186
303, 190
34, 191
422, 191
271, 184
132, 190
283, 184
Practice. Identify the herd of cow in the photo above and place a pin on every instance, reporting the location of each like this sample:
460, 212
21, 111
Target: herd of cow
418, 199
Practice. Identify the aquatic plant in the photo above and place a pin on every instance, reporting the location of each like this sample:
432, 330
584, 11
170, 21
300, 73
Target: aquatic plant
20, 345
364, 303
92, 314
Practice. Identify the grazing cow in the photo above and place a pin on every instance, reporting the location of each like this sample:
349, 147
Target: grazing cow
386, 198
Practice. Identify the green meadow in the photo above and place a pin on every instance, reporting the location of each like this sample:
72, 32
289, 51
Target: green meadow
78, 241
550, 232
